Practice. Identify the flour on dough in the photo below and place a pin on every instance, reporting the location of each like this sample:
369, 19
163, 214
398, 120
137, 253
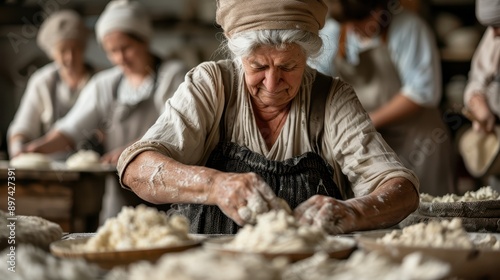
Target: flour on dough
366, 265
138, 228
34, 263
484, 193
83, 159
277, 231
31, 230
31, 161
438, 234
203, 264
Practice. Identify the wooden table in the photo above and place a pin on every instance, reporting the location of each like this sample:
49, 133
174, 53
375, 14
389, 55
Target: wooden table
71, 198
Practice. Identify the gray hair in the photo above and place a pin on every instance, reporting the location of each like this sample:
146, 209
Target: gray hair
244, 43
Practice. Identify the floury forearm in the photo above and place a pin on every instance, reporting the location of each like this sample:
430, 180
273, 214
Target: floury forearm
159, 179
386, 206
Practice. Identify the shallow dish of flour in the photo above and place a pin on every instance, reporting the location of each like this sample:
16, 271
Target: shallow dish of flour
69, 249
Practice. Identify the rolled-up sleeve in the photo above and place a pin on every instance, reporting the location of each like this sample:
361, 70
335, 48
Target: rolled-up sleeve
415, 54
484, 66
352, 141
191, 118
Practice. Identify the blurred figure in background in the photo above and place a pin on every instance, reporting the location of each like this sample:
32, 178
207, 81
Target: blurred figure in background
53, 89
482, 93
482, 96
390, 57
125, 100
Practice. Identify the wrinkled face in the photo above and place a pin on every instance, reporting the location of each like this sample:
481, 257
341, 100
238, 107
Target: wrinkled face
69, 54
274, 76
125, 51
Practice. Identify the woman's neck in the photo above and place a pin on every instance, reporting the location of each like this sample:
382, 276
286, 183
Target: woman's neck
270, 122
136, 78
74, 77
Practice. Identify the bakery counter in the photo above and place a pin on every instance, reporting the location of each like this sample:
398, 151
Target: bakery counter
71, 198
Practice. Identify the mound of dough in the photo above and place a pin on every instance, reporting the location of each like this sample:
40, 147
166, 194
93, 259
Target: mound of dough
367, 265
31, 161
277, 232
34, 263
439, 234
138, 228
202, 264
484, 193
31, 230
83, 159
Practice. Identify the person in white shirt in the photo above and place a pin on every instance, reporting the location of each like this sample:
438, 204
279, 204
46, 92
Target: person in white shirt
390, 57
53, 89
482, 93
482, 96
123, 101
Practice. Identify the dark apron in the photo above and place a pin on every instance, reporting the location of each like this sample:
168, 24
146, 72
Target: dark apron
295, 179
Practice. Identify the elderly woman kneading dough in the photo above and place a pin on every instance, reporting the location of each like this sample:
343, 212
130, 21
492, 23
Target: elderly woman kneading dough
240, 134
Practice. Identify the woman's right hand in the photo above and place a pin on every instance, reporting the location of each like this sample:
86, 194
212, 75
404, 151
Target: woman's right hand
482, 117
242, 196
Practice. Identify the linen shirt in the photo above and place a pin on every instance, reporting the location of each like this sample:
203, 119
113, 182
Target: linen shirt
189, 129
411, 46
485, 67
35, 115
95, 105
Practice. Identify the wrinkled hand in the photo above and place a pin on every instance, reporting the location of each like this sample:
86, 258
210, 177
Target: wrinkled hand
333, 215
242, 196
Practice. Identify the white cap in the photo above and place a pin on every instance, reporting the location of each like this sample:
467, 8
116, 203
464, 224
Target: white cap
488, 12
61, 25
125, 16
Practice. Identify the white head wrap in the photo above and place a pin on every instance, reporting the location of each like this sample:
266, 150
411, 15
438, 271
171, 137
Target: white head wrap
488, 12
61, 25
125, 16
243, 15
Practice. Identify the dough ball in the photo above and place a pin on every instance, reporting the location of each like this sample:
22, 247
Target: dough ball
83, 159
29, 230
31, 161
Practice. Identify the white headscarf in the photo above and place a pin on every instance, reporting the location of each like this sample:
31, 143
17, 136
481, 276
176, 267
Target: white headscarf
61, 25
488, 12
243, 15
125, 16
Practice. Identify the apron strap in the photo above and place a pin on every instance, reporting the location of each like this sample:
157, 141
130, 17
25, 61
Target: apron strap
320, 90
342, 41
56, 112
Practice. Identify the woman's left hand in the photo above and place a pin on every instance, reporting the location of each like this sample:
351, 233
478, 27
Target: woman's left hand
333, 215
112, 157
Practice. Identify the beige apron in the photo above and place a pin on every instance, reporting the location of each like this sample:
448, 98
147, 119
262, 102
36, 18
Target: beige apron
423, 142
126, 124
